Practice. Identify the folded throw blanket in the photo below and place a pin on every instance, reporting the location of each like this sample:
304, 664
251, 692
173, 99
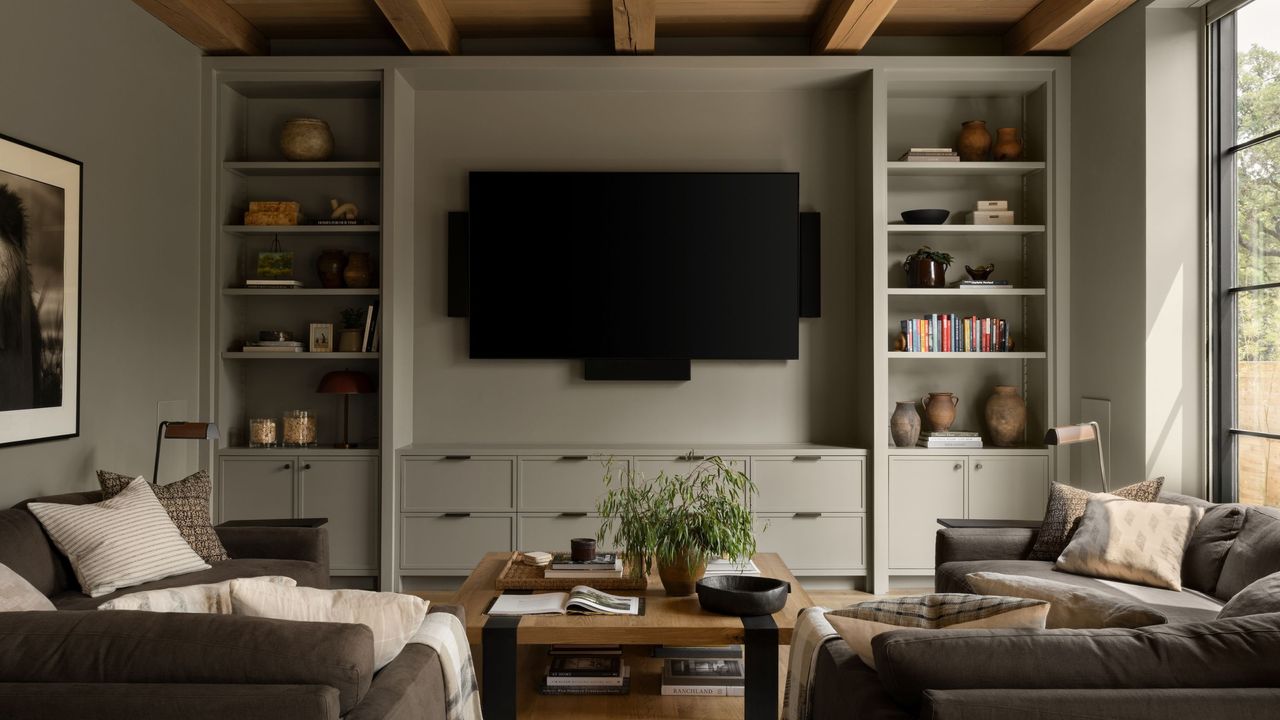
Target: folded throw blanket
811, 633
444, 633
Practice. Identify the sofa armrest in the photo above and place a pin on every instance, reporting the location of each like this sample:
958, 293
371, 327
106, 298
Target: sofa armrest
278, 543
123, 646
147, 701
1146, 704
457, 611
962, 544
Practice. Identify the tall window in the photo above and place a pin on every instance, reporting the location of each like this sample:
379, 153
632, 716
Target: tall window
1245, 92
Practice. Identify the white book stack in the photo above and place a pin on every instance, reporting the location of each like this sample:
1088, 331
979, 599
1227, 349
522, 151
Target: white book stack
930, 154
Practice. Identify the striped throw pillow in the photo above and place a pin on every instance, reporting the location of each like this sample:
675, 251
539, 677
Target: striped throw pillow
187, 502
125, 541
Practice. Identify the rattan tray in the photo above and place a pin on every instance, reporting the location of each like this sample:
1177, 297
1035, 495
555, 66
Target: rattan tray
516, 575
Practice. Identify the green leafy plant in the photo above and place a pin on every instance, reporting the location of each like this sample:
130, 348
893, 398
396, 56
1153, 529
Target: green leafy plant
678, 518
928, 253
352, 318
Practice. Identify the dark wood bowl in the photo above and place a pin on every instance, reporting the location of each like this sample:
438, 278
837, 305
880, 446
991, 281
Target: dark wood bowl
742, 595
931, 216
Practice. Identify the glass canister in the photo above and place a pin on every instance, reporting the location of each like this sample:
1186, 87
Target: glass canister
299, 428
264, 433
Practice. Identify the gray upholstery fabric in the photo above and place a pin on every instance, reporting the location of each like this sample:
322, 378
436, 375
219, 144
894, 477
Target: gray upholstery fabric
1259, 597
28, 551
285, 543
306, 573
132, 701
1207, 550
1230, 704
960, 544
1254, 554
410, 687
845, 688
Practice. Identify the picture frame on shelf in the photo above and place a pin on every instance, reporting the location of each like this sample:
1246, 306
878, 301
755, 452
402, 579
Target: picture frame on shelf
320, 338
40, 245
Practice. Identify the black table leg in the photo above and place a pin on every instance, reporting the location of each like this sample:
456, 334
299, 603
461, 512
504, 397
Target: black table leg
499, 644
761, 650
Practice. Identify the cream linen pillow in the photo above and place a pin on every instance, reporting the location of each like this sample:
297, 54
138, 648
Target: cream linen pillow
1069, 606
858, 624
1137, 542
18, 595
392, 617
121, 542
212, 598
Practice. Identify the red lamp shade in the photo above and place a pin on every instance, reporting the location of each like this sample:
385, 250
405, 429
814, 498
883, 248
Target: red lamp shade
345, 382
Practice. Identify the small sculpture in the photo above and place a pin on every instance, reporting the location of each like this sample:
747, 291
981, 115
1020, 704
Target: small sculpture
982, 272
345, 211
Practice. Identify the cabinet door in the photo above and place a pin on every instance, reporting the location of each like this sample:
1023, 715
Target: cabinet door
345, 490
255, 488
1008, 488
921, 491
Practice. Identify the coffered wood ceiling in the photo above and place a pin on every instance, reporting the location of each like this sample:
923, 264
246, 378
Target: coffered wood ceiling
246, 27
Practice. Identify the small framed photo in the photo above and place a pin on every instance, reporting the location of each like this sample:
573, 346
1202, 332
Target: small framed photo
320, 339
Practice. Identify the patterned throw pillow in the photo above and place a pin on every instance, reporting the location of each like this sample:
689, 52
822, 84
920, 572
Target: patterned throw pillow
1070, 606
1066, 507
1137, 542
187, 502
858, 624
210, 598
18, 595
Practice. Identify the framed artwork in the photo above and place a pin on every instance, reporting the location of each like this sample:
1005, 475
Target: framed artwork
321, 338
40, 205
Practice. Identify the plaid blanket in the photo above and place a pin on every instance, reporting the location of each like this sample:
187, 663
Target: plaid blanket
811, 633
444, 633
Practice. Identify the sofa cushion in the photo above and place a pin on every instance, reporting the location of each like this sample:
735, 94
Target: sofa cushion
18, 595
1066, 507
1255, 553
1137, 542
1207, 550
28, 551
305, 573
187, 502
1070, 606
1261, 596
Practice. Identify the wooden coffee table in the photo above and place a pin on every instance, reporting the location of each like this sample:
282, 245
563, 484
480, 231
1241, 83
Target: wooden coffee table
666, 621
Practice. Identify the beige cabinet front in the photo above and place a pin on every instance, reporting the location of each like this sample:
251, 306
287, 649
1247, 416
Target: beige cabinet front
453, 541
813, 542
921, 491
345, 490
255, 488
808, 484
458, 483
1008, 488
680, 465
572, 483
551, 532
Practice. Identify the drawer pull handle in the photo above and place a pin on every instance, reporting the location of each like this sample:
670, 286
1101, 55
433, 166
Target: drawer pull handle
692, 458
575, 457
457, 515
977, 466
807, 515
288, 466
808, 458
573, 514
957, 467
457, 457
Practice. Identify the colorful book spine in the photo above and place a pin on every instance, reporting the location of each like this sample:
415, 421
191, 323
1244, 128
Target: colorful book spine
953, 334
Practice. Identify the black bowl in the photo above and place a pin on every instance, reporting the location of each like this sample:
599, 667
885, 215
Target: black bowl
742, 594
925, 217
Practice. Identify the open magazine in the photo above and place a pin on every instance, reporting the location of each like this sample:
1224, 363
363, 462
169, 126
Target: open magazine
581, 600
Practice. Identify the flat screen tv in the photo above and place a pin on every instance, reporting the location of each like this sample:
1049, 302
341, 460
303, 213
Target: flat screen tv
644, 265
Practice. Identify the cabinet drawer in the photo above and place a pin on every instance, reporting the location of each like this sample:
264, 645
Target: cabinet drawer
443, 483
651, 466
551, 532
564, 483
819, 542
802, 484
440, 542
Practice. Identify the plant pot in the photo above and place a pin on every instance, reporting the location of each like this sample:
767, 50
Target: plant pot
1006, 416
359, 271
349, 340
681, 576
330, 265
306, 139
939, 410
904, 424
926, 273
974, 144
1008, 146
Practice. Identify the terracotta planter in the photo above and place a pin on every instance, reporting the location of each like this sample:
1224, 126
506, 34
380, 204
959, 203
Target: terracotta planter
939, 410
1006, 416
926, 273
359, 271
1008, 146
349, 340
306, 139
974, 144
681, 577
904, 424
330, 265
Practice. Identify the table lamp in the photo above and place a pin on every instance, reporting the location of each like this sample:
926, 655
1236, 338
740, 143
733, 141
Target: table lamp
345, 383
1084, 432
181, 430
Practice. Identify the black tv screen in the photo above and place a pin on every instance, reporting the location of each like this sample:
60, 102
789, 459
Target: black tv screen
634, 265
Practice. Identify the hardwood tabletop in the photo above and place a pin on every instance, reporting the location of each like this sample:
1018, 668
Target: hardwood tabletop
666, 620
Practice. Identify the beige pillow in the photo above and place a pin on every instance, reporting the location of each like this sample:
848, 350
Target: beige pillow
213, 598
858, 624
1066, 507
1069, 606
187, 502
18, 595
392, 617
1135, 542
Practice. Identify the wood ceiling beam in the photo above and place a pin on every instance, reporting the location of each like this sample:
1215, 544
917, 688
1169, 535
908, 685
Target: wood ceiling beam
635, 25
423, 25
1057, 25
210, 25
847, 25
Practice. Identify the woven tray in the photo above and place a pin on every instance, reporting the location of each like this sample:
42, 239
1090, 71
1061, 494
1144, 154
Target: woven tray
516, 575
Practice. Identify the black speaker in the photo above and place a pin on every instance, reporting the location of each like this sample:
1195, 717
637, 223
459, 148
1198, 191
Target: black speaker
810, 265
459, 265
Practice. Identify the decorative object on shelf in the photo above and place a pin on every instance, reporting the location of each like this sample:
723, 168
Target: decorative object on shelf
991, 217
342, 213
320, 338
261, 284
904, 424
930, 216
264, 433
536, 558
275, 264
582, 549
1008, 146
975, 141
679, 521
359, 271
939, 410
306, 139
330, 265
273, 346
982, 272
349, 338
273, 212
181, 430
927, 268
346, 383
950, 439
742, 595
927, 154
992, 205
299, 428
39, 286
1084, 432
1006, 416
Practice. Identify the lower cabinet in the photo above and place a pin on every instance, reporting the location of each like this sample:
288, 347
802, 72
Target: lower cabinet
453, 542
1008, 488
814, 543
551, 532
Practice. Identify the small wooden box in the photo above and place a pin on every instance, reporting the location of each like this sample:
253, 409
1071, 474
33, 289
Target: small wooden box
993, 205
991, 217
273, 213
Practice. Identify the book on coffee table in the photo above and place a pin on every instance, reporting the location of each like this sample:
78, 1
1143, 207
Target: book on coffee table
602, 561
581, 600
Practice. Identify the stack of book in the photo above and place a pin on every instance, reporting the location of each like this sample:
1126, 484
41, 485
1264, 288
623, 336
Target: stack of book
928, 154
261, 284
563, 566
950, 439
952, 333
724, 566
273, 346
586, 670
702, 671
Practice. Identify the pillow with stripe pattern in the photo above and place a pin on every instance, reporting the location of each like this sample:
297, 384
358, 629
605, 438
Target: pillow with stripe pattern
187, 502
121, 542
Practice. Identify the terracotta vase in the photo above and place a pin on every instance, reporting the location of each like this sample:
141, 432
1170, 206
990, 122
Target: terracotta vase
330, 265
681, 577
904, 424
1006, 416
926, 273
939, 410
359, 271
974, 144
306, 139
1008, 146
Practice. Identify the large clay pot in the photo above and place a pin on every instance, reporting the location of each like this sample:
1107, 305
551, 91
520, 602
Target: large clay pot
306, 139
904, 424
359, 272
974, 144
926, 273
1006, 416
681, 576
330, 265
1008, 146
939, 410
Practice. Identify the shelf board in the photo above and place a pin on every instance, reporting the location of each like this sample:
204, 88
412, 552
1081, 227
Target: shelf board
286, 168
229, 355
988, 450
964, 229
900, 355
902, 167
301, 229
986, 291
322, 450
300, 292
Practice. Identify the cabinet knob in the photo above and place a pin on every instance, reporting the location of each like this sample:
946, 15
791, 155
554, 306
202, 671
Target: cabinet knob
288, 466
957, 467
977, 466
307, 466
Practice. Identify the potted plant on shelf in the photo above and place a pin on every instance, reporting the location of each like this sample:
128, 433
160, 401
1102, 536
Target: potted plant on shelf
350, 335
927, 268
678, 521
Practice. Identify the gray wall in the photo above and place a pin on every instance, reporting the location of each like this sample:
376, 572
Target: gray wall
108, 85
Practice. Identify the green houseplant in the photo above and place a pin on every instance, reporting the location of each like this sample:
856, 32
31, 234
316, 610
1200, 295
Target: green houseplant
678, 521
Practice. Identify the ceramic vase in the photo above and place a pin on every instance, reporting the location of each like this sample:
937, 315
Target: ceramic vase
306, 139
939, 410
681, 576
1008, 146
904, 424
330, 265
359, 271
975, 142
349, 340
1006, 416
926, 273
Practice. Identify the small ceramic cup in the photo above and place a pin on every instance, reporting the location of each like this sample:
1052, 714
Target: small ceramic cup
582, 549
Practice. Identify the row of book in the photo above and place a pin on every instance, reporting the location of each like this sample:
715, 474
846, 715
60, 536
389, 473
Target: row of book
601, 670
952, 333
